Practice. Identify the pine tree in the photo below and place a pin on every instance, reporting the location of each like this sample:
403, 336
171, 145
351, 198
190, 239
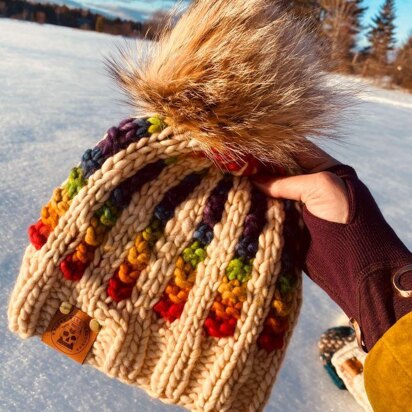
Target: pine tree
403, 66
381, 37
341, 23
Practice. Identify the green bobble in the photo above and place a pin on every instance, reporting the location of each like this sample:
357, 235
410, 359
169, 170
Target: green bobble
152, 233
200, 253
170, 161
285, 283
194, 254
187, 254
107, 214
239, 269
75, 182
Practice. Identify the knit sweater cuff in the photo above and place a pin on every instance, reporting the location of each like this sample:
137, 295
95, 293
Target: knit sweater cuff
354, 262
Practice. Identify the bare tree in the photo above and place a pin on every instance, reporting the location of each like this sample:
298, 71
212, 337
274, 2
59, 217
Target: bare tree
340, 25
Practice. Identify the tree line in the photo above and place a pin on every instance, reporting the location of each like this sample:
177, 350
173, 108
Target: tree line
339, 23
71, 17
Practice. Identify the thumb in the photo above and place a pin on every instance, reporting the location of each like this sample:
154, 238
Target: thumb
290, 187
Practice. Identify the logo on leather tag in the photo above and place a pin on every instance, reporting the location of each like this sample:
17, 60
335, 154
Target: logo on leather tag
69, 332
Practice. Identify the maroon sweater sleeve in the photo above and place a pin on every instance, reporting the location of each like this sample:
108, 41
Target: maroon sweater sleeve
354, 262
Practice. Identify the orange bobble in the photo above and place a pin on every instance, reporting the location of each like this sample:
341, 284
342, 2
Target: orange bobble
83, 253
124, 268
182, 295
233, 312
217, 306
127, 276
222, 314
49, 216
175, 299
172, 290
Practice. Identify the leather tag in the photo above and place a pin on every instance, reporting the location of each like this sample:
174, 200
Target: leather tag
70, 334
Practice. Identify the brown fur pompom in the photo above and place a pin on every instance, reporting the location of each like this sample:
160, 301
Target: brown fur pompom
235, 75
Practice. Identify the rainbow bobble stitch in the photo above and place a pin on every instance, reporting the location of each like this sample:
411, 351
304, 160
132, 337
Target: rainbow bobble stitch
278, 322
74, 265
122, 282
225, 310
117, 138
171, 305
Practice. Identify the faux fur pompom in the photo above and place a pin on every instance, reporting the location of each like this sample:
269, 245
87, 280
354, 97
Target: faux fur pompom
239, 76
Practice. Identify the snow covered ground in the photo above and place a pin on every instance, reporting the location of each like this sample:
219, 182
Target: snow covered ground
56, 101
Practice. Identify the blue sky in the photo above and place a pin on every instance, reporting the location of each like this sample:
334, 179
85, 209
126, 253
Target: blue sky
141, 9
403, 16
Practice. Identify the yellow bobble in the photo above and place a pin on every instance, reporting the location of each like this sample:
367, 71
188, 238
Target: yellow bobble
180, 262
146, 236
49, 216
223, 287
192, 278
141, 246
228, 295
138, 239
91, 239
143, 258
237, 291
153, 129
179, 273
132, 255
281, 308
182, 283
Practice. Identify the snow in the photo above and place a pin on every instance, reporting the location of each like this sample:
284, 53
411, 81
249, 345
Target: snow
56, 100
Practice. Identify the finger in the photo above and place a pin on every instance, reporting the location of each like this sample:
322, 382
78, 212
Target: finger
292, 188
313, 159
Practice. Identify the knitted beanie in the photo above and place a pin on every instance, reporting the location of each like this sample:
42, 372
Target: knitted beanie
157, 261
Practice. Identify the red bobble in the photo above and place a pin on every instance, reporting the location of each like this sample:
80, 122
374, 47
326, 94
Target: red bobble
118, 290
270, 342
161, 307
72, 270
175, 311
167, 309
220, 328
38, 234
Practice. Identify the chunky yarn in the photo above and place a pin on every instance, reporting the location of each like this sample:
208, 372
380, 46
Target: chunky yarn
175, 259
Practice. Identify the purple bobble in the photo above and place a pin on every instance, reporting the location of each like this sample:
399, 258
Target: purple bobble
164, 211
215, 205
112, 133
121, 196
